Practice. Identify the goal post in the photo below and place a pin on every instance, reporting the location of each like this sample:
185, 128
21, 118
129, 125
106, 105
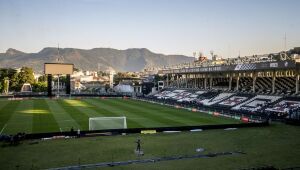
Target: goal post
102, 123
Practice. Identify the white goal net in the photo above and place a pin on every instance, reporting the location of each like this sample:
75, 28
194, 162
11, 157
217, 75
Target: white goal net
101, 123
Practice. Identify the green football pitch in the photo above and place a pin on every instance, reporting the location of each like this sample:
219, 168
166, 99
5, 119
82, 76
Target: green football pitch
276, 145
45, 115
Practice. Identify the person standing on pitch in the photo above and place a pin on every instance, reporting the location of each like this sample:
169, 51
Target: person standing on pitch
72, 131
138, 146
78, 133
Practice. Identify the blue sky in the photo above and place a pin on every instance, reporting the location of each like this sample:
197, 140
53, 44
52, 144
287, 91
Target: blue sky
163, 26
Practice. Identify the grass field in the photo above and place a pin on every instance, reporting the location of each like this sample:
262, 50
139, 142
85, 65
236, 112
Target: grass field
45, 115
277, 145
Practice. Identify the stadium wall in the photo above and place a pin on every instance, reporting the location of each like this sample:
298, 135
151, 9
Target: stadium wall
110, 132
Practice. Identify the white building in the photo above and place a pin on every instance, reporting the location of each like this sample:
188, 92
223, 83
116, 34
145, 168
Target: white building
86, 78
77, 74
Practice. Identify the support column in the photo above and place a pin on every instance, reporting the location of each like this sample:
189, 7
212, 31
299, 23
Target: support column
49, 81
273, 82
167, 83
177, 80
230, 82
297, 83
237, 83
210, 82
174, 80
181, 81
186, 81
205, 83
68, 84
195, 81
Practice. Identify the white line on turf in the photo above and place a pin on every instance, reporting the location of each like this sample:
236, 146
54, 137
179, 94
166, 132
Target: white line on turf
65, 120
3, 128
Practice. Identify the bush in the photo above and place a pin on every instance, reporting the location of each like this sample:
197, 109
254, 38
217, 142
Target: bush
39, 87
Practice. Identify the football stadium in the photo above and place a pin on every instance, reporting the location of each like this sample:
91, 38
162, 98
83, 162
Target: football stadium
241, 115
149, 85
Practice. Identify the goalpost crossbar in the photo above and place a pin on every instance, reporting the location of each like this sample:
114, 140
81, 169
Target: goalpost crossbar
100, 123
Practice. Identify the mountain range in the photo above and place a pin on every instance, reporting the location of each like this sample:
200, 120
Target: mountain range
135, 59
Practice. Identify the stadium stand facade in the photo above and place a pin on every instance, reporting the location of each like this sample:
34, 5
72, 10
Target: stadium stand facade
280, 77
266, 85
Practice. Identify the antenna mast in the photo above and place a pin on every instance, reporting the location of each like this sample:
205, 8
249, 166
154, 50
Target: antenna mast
59, 57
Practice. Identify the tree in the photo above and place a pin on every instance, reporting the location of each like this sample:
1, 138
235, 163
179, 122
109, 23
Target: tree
43, 78
14, 82
24, 76
106, 87
62, 79
6, 85
39, 87
7, 72
102, 73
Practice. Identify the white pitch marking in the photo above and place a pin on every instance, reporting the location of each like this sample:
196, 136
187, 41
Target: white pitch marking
3, 128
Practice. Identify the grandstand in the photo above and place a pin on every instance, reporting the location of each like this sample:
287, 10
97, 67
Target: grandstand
255, 85
261, 106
